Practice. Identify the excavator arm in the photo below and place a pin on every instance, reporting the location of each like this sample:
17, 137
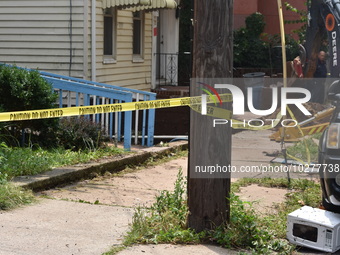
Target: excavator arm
323, 28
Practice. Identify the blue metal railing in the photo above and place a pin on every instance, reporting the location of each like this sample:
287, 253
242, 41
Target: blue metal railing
95, 93
79, 92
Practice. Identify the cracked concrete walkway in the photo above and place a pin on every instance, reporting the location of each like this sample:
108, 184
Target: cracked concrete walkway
61, 226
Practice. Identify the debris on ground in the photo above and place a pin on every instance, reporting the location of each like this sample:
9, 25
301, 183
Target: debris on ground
313, 108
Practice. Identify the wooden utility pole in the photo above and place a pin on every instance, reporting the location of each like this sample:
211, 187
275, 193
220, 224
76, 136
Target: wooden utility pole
208, 145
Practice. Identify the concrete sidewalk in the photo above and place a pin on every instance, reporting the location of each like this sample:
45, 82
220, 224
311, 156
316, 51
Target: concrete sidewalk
55, 227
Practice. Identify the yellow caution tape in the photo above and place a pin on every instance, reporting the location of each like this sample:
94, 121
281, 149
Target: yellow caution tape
193, 102
214, 111
304, 140
108, 108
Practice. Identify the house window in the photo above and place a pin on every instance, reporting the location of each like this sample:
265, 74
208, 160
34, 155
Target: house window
109, 35
138, 33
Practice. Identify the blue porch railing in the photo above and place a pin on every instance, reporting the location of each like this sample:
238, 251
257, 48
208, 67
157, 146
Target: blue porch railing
79, 92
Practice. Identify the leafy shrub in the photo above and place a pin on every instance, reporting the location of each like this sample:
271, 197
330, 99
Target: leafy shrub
253, 48
80, 133
255, 24
22, 90
249, 49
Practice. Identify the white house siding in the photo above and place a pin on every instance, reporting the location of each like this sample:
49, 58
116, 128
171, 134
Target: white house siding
124, 72
36, 34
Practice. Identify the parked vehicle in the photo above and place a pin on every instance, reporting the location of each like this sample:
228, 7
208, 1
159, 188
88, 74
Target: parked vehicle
329, 155
323, 30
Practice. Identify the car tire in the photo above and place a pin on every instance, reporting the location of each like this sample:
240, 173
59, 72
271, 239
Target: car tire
330, 207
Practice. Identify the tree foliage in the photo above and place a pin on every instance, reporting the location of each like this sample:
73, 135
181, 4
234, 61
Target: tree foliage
254, 48
301, 32
23, 90
249, 49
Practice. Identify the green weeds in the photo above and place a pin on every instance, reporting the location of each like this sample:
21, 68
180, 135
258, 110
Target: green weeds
304, 147
246, 230
303, 192
165, 220
27, 161
30, 161
295, 184
299, 192
12, 196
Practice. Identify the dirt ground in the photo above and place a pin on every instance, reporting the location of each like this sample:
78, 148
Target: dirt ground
131, 189
141, 187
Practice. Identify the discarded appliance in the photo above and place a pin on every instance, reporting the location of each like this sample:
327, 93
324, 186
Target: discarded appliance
314, 228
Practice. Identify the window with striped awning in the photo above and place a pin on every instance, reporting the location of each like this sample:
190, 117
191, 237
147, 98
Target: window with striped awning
139, 5
124, 3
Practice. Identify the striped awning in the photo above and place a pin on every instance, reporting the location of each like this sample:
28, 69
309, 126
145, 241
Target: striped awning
157, 4
125, 3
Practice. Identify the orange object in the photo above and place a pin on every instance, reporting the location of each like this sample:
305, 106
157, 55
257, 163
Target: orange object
298, 67
330, 22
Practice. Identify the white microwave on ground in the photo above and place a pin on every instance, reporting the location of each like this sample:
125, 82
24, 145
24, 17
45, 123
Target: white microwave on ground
314, 228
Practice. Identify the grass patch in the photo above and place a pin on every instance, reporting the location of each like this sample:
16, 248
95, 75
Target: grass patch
114, 250
295, 199
295, 184
300, 192
12, 196
305, 147
165, 220
246, 230
28, 161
